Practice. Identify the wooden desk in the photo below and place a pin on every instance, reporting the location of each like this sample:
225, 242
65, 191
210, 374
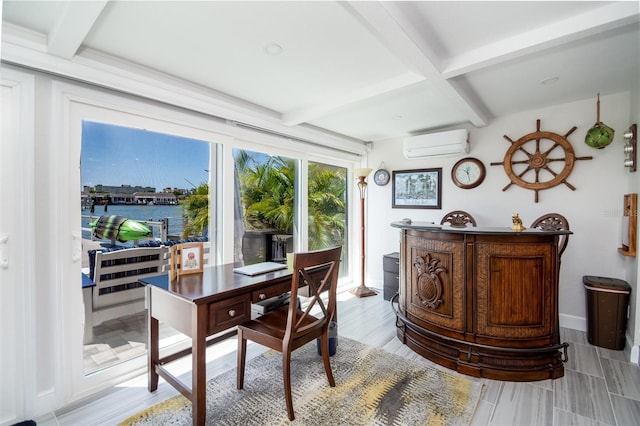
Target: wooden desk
200, 305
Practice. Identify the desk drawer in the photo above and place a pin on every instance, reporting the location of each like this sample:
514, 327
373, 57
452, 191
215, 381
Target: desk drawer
266, 293
229, 313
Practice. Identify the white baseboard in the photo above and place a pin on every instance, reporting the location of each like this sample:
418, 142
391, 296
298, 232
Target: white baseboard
635, 352
580, 324
573, 322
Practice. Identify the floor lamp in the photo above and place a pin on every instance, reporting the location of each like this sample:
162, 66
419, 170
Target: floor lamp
362, 290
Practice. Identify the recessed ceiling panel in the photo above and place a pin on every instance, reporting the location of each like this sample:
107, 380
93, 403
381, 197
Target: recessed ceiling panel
461, 26
229, 46
414, 109
39, 16
371, 70
604, 64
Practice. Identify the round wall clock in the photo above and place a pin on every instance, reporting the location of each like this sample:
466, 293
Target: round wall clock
468, 173
381, 177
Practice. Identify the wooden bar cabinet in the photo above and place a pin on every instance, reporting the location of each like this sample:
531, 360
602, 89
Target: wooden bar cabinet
482, 301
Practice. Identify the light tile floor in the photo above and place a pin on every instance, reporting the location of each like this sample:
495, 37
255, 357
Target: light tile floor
600, 387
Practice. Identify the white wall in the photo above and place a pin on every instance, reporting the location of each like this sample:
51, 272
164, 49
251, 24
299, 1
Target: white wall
633, 268
593, 209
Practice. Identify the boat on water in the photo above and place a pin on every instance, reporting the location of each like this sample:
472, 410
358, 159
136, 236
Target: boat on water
119, 228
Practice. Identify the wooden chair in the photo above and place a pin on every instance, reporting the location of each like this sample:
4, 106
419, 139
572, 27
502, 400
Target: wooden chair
290, 327
458, 219
554, 222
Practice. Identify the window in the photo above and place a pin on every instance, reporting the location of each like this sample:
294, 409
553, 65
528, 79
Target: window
266, 206
83, 108
280, 209
134, 181
327, 209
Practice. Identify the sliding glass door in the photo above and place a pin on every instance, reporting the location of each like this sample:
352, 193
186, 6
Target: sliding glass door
327, 209
159, 183
121, 162
268, 200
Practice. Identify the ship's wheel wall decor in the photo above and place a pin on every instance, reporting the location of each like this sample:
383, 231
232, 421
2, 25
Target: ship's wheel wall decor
540, 160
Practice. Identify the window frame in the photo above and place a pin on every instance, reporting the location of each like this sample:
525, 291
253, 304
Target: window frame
76, 105
303, 159
72, 103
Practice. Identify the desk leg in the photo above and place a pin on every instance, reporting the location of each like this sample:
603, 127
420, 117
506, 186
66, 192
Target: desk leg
153, 350
199, 364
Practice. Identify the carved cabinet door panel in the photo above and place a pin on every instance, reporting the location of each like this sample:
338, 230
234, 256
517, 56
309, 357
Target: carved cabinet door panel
435, 271
515, 291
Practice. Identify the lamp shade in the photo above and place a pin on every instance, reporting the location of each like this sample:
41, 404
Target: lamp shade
361, 172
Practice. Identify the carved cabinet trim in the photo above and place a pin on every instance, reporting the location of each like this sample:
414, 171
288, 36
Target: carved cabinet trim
436, 279
483, 302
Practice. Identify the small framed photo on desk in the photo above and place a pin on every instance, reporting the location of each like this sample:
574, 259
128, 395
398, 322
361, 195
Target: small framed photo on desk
186, 258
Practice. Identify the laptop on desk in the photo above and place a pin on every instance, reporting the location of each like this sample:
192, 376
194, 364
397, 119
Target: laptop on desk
259, 268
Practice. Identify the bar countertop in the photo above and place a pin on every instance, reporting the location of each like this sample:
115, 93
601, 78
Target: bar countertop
432, 227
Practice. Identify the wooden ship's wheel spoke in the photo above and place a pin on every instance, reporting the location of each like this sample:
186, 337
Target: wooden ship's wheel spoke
538, 160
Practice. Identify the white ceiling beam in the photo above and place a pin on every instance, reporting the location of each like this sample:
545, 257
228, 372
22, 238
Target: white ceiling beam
105, 71
574, 28
378, 19
386, 21
72, 27
308, 113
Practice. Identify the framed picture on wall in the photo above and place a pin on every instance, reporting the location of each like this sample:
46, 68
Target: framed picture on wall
417, 189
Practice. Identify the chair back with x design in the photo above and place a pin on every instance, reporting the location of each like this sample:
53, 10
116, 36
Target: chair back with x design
314, 277
289, 327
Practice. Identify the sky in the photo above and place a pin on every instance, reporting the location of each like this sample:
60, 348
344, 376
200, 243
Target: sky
114, 155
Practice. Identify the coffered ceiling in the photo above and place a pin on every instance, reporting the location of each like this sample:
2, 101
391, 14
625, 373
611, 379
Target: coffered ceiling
365, 70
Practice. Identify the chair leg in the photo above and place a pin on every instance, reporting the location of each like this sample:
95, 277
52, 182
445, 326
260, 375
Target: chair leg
242, 357
286, 374
325, 359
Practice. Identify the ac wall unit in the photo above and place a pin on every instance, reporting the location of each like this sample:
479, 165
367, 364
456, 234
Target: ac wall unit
437, 144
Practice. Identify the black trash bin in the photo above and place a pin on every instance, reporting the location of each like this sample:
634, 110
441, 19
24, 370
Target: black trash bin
607, 301
333, 339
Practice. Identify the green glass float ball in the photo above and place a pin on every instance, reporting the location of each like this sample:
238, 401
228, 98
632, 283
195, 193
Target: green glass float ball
599, 136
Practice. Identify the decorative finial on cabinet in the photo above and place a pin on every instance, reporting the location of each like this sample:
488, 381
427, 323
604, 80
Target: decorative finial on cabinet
517, 223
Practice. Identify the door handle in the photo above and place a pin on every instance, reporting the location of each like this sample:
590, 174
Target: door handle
4, 251
76, 248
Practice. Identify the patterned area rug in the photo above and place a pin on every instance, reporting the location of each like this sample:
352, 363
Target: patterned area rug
373, 387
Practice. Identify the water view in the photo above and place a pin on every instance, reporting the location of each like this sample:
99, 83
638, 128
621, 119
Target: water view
141, 174
142, 213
